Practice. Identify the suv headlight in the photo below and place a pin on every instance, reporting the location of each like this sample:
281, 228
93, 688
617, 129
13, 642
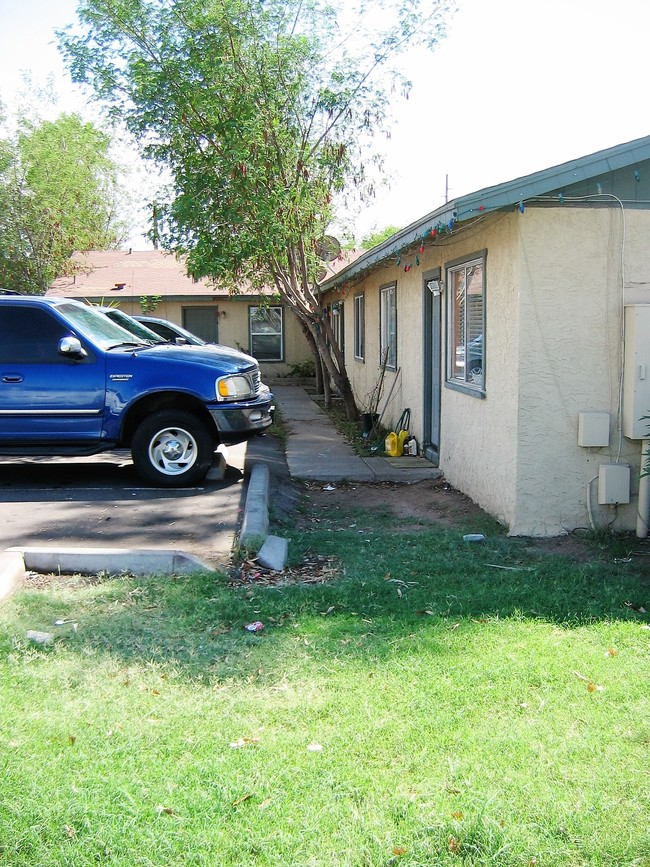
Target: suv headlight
236, 387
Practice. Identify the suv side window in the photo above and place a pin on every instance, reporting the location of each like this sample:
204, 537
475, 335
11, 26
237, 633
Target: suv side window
29, 336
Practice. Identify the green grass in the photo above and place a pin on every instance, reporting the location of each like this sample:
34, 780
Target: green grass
465, 715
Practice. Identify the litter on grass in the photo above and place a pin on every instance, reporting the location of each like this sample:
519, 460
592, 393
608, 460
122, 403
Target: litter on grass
256, 626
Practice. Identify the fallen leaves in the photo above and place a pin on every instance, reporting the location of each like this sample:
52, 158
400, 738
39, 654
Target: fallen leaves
591, 686
314, 569
242, 800
243, 742
166, 811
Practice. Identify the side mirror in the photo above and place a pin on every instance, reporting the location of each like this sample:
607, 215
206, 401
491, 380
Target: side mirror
72, 346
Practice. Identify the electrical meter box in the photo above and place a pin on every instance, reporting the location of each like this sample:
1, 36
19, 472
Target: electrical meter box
636, 373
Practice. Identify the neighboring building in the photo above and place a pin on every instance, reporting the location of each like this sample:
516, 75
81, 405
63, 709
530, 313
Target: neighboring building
501, 319
156, 283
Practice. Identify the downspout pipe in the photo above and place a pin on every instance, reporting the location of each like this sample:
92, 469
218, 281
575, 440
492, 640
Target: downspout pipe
643, 512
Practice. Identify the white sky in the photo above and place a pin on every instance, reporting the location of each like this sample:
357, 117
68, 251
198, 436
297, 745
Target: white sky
517, 86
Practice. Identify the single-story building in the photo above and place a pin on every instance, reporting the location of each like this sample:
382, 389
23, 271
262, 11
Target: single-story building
156, 283
514, 323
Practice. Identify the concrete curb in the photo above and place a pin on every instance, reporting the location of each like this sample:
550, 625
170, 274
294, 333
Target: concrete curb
90, 561
255, 524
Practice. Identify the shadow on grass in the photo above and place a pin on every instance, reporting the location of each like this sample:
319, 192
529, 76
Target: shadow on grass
387, 599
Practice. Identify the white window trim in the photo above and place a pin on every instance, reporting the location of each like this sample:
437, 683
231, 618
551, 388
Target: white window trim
452, 380
279, 333
388, 326
360, 327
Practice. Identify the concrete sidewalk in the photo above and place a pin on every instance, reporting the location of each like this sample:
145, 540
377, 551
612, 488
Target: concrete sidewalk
315, 449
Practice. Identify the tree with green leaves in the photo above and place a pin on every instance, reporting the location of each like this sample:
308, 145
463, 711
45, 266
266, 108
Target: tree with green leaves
57, 194
378, 236
264, 112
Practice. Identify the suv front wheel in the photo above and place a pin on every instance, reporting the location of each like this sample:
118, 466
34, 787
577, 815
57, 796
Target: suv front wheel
172, 448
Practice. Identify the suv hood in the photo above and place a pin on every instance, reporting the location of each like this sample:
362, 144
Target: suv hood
229, 359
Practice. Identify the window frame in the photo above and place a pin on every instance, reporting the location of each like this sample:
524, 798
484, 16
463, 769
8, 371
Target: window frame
360, 327
335, 312
388, 326
454, 348
280, 333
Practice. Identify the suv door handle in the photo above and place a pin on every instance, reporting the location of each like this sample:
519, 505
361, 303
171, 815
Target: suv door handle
12, 377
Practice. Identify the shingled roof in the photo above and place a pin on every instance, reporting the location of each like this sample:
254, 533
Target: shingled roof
120, 273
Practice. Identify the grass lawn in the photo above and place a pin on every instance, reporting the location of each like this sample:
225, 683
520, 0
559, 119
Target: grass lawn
419, 707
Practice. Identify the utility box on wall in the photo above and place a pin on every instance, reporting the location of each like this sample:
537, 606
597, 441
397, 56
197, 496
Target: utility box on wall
613, 484
636, 373
593, 429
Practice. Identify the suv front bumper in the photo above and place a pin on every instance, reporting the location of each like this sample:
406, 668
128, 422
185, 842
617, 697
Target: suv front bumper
237, 422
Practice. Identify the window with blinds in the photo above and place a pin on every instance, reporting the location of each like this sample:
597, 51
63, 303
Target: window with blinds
388, 326
466, 308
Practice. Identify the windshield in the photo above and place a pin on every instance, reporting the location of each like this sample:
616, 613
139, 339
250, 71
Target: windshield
98, 328
130, 324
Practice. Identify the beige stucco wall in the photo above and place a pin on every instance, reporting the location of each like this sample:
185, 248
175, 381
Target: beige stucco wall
554, 299
571, 300
478, 444
478, 436
233, 327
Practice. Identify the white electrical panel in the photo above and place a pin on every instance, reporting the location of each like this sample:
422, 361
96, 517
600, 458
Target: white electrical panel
636, 373
613, 484
593, 429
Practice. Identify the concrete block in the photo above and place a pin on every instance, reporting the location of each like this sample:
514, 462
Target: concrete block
273, 553
219, 466
12, 572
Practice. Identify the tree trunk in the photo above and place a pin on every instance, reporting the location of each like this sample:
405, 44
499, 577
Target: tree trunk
332, 370
318, 366
307, 307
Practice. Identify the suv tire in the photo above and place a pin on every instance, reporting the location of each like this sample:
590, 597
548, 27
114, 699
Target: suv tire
172, 448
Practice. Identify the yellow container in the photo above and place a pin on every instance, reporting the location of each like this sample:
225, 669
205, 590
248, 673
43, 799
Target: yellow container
392, 445
402, 436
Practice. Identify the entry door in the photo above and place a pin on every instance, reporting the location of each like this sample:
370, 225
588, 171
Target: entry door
202, 321
432, 306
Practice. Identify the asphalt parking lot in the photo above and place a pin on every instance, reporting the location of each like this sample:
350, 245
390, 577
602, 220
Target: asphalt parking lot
101, 502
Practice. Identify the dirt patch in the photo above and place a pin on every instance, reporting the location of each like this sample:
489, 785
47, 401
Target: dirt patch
413, 506
421, 505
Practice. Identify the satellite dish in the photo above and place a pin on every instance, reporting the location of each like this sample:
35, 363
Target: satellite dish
328, 248
322, 274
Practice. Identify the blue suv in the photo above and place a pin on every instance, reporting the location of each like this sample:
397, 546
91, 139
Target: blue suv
72, 382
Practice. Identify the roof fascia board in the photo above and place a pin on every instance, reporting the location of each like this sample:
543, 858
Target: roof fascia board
391, 247
500, 196
555, 178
